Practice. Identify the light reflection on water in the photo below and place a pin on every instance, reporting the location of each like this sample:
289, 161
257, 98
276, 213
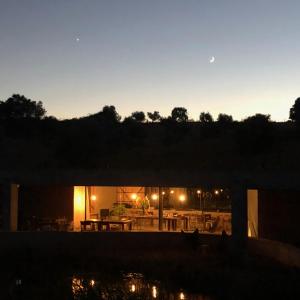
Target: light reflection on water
129, 286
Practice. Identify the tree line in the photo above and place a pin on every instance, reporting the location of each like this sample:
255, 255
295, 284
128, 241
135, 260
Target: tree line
29, 137
19, 107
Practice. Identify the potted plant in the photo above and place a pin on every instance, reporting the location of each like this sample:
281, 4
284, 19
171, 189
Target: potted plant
144, 204
118, 210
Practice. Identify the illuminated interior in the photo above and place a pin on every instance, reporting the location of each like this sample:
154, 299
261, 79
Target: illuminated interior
186, 209
79, 206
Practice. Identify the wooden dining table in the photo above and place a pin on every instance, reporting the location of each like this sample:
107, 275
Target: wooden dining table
107, 223
169, 222
97, 224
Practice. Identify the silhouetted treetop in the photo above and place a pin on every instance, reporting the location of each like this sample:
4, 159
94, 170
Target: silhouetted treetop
19, 107
258, 119
179, 114
206, 117
138, 116
155, 116
223, 118
295, 111
108, 114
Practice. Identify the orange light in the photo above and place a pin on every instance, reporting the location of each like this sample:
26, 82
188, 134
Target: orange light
132, 289
79, 206
154, 196
181, 296
154, 292
163, 193
181, 198
93, 197
216, 192
198, 192
133, 196
172, 192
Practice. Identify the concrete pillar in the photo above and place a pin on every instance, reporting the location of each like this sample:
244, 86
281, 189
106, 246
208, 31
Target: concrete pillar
252, 196
79, 206
9, 199
161, 210
239, 217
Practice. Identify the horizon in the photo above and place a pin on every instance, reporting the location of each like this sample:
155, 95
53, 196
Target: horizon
235, 58
147, 119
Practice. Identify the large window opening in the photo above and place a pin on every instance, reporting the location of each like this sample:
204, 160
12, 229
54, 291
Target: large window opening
124, 208
138, 208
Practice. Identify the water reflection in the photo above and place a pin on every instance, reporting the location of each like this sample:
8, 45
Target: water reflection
127, 286
77, 286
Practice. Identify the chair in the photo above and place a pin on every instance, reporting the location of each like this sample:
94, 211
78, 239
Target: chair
104, 213
85, 224
62, 224
193, 221
94, 215
208, 222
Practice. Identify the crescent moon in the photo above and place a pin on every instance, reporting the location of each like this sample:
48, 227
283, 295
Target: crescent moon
212, 60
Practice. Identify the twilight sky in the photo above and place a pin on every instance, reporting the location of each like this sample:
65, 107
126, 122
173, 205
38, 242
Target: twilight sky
79, 55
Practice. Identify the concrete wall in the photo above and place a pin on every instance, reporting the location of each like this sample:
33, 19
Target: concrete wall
47, 201
104, 245
280, 252
279, 216
252, 197
14, 199
80, 202
106, 196
9, 206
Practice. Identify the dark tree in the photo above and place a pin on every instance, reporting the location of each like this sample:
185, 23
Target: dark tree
225, 119
179, 114
109, 114
295, 111
255, 134
138, 116
19, 107
154, 117
258, 119
206, 117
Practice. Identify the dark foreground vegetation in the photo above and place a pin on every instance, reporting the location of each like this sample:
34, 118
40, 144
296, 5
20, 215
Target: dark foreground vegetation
31, 140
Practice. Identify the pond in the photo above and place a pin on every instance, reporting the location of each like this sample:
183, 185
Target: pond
127, 285
208, 278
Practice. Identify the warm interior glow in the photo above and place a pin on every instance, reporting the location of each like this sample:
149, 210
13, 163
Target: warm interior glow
133, 196
198, 192
172, 191
93, 197
154, 292
216, 192
154, 197
132, 289
92, 282
79, 206
249, 231
163, 193
182, 198
181, 296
